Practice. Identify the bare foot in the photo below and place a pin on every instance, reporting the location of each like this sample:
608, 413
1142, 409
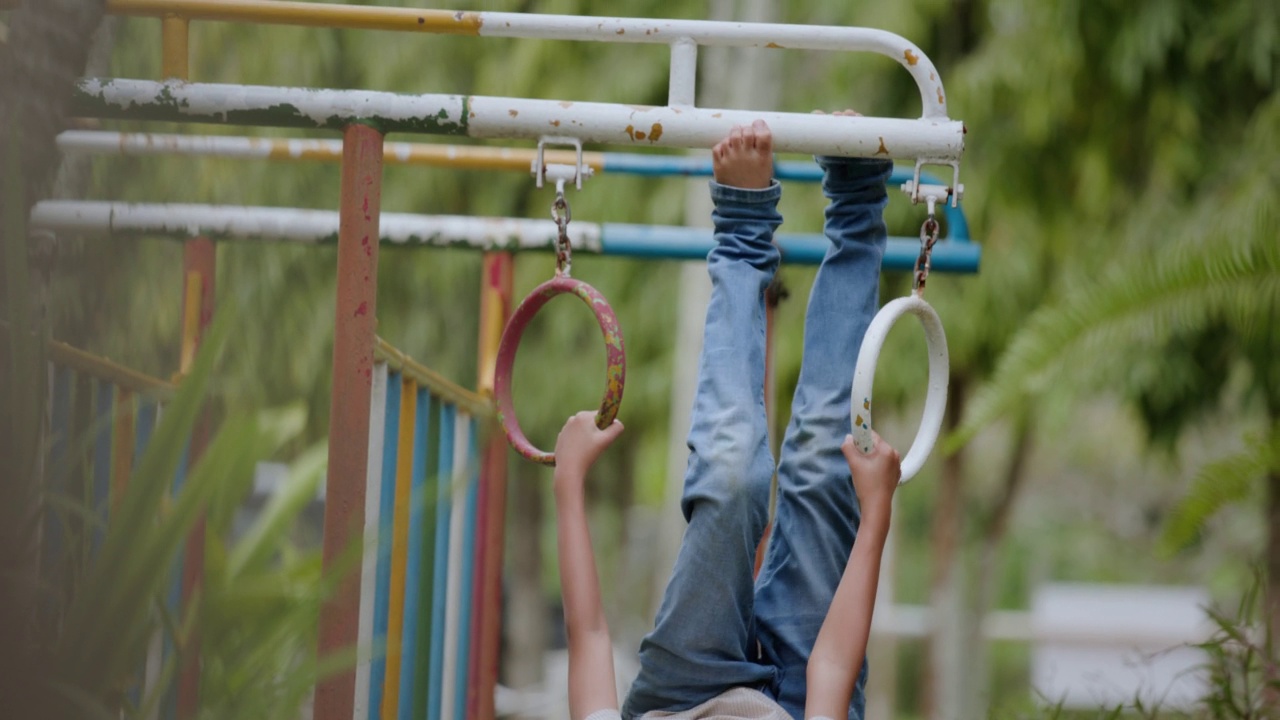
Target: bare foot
745, 158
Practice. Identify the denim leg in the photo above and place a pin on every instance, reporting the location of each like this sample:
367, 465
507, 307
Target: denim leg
703, 640
817, 511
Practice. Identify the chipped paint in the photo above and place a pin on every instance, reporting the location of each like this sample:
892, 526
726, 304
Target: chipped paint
910, 57
655, 132
882, 150
774, 45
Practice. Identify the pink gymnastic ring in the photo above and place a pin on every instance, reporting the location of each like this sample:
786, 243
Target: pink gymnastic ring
615, 359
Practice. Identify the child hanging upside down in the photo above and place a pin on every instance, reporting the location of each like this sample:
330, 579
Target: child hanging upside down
790, 643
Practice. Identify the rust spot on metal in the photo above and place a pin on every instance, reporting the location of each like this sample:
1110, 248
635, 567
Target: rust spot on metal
655, 132
513, 112
363, 309
639, 135
422, 20
883, 150
716, 115
621, 31
911, 57
471, 114
933, 76
631, 131
940, 100
565, 104
774, 45
555, 123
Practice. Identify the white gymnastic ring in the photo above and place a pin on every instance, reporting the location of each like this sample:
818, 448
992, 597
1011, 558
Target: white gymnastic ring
935, 403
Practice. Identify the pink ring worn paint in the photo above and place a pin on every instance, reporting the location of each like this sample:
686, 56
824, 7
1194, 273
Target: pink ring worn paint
615, 359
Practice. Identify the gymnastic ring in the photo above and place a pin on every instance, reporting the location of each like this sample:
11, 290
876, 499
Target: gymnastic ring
935, 403
615, 359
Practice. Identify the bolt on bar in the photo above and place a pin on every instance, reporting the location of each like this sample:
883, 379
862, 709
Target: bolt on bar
495, 117
320, 226
567, 27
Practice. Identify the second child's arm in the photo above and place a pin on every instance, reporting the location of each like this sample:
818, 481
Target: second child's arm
591, 680
842, 642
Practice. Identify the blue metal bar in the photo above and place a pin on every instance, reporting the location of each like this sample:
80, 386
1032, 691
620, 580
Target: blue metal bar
386, 510
468, 568
793, 170
173, 601
686, 243
418, 507
440, 568
53, 554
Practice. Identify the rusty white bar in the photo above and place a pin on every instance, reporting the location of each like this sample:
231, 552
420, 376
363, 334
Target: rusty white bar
320, 226
566, 27
495, 117
308, 226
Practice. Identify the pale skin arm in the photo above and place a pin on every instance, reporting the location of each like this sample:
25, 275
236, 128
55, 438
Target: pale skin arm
591, 680
842, 642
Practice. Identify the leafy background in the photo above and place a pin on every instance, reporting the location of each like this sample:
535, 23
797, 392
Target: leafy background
1114, 365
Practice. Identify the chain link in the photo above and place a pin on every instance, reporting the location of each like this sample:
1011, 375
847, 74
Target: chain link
928, 236
560, 213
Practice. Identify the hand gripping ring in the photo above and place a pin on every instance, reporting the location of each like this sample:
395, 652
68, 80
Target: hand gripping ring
935, 403
615, 357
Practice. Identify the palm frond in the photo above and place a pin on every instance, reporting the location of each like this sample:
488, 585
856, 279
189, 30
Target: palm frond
1227, 480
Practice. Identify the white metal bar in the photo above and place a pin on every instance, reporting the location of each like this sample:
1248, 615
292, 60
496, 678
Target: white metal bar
1017, 625
454, 592
94, 217
372, 528
708, 32
682, 90
496, 117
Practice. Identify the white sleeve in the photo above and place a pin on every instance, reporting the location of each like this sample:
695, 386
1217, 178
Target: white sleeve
605, 714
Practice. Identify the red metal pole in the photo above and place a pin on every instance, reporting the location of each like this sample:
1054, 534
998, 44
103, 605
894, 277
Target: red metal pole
486, 624
199, 261
353, 342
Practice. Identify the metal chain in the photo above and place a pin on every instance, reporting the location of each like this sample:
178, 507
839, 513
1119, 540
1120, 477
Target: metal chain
560, 213
928, 236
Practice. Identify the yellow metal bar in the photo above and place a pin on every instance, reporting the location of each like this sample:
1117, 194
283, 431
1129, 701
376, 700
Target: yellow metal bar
306, 13
399, 548
63, 354
174, 51
454, 156
473, 404
191, 321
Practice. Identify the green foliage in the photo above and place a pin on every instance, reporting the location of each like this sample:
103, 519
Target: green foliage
1231, 479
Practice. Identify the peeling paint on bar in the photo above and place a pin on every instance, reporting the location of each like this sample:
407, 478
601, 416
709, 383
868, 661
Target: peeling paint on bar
176, 101
488, 117
94, 218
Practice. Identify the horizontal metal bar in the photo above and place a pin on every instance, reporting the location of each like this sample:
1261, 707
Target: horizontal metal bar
495, 117
917, 621
101, 368
564, 27
321, 226
472, 403
470, 157
459, 156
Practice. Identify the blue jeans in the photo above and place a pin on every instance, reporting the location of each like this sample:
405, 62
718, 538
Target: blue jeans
717, 627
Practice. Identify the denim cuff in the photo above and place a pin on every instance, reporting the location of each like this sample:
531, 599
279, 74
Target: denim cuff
847, 175
727, 195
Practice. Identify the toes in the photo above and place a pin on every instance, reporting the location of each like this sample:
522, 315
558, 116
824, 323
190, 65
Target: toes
763, 136
736, 138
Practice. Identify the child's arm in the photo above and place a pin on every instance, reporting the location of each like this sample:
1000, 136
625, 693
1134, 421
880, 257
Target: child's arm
842, 642
591, 681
